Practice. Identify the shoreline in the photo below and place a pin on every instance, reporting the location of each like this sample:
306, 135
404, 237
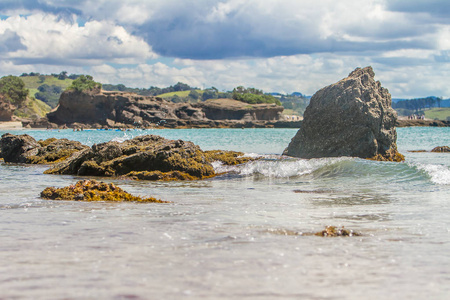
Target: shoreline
401, 122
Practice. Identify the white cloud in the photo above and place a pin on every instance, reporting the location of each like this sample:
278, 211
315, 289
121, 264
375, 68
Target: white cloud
48, 39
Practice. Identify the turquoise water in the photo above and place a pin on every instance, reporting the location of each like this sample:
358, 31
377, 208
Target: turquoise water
238, 235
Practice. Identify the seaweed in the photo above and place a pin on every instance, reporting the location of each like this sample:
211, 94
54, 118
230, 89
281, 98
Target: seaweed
92, 190
333, 231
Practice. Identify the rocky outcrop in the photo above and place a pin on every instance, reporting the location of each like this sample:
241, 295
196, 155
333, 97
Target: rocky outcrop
441, 149
229, 109
17, 148
118, 109
25, 149
352, 117
147, 157
6, 109
430, 123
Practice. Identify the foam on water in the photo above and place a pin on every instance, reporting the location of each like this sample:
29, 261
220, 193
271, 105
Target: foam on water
438, 174
342, 167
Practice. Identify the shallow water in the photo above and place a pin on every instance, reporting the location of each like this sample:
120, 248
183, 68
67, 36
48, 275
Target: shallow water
238, 235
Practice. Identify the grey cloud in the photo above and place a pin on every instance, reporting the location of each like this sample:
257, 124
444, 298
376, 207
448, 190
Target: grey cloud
10, 42
438, 8
64, 9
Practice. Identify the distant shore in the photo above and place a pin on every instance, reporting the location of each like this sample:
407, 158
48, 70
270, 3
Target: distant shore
401, 122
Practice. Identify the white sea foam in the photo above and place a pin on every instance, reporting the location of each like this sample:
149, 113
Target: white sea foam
271, 166
439, 174
122, 139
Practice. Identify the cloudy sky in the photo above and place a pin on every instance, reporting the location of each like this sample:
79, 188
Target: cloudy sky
274, 45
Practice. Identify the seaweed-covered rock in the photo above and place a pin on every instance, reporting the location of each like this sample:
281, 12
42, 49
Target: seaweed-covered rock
55, 150
332, 231
148, 157
17, 148
92, 190
25, 149
441, 149
352, 117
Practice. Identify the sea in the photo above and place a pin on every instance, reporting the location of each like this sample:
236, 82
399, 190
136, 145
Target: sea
246, 234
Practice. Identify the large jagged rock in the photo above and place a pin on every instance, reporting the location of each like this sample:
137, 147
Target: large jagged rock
25, 149
352, 117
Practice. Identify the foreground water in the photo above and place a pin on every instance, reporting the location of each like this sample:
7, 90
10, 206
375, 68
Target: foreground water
239, 235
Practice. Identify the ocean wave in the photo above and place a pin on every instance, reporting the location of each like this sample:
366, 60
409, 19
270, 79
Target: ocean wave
437, 173
279, 167
339, 168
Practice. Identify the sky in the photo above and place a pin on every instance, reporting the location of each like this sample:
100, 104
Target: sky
275, 45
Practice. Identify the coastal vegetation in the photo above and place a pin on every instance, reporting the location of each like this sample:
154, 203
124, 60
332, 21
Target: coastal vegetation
85, 83
253, 96
432, 107
13, 89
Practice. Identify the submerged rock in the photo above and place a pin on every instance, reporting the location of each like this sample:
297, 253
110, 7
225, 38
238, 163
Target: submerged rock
92, 190
148, 157
352, 117
333, 231
25, 149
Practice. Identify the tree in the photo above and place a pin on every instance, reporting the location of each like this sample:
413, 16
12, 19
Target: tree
85, 83
62, 75
194, 95
253, 96
13, 88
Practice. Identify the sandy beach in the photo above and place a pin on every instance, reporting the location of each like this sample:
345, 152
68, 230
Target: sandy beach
11, 125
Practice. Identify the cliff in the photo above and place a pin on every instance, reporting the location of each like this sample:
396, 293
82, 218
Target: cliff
229, 109
6, 109
119, 109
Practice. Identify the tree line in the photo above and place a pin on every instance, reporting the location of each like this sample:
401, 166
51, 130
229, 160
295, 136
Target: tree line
418, 104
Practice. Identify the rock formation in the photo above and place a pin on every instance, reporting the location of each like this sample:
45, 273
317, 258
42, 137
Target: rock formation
6, 109
25, 149
147, 157
119, 109
229, 109
352, 117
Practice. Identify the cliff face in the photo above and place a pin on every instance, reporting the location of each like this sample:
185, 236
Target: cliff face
112, 108
229, 109
6, 109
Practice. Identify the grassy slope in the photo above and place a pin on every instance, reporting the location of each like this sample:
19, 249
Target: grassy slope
438, 113
181, 94
34, 106
32, 83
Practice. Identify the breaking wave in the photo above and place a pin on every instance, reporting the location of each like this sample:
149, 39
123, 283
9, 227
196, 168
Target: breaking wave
332, 168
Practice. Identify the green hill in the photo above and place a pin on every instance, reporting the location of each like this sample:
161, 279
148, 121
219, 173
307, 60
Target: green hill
46, 88
442, 113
